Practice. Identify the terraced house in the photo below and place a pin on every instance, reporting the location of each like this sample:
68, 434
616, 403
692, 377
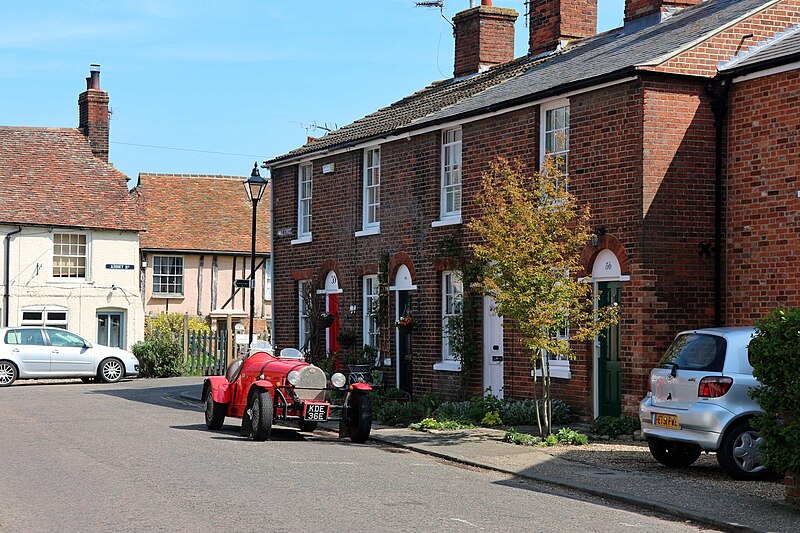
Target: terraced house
70, 229
652, 118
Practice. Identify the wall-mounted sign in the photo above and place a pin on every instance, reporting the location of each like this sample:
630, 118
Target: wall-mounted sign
285, 232
118, 266
327, 169
245, 283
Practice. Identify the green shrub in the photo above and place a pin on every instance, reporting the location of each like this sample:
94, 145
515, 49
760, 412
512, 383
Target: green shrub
432, 423
515, 437
571, 436
613, 426
452, 411
523, 412
173, 323
775, 356
393, 413
491, 419
160, 356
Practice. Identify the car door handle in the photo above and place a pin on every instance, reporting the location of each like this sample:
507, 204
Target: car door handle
15, 350
54, 351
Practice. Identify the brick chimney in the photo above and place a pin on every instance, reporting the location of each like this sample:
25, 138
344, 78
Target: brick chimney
93, 114
484, 38
637, 9
554, 21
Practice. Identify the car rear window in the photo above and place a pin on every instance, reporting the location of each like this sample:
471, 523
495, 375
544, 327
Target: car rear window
32, 337
695, 351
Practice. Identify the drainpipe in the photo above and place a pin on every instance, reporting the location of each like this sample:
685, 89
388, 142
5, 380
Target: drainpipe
718, 92
7, 273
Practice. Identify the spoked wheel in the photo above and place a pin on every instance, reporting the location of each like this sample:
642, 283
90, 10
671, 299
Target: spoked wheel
111, 370
215, 411
261, 416
673, 454
360, 421
739, 454
8, 373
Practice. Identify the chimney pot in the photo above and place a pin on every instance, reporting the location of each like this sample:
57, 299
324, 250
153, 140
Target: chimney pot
93, 114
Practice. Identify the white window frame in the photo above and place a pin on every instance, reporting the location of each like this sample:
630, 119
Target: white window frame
450, 178
305, 174
108, 313
162, 294
45, 319
549, 137
370, 295
559, 364
452, 305
86, 244
303, 324
371, 192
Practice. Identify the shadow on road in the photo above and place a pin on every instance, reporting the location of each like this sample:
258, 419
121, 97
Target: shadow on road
172, 397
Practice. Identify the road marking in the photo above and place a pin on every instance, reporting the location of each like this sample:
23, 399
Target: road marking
468, 523
322, 463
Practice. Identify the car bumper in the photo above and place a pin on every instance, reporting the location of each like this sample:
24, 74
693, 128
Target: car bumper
131, 369
703, 424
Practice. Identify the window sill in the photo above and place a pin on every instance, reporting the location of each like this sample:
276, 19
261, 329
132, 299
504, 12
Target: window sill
447, 366
168, 296
301, 240
556, 371
449, 221
375, 230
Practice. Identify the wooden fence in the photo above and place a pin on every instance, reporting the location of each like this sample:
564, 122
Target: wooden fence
207, 353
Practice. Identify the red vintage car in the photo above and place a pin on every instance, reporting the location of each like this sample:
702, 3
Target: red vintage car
263, 388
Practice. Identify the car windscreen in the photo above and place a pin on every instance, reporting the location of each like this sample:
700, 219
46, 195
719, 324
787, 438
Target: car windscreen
696, 351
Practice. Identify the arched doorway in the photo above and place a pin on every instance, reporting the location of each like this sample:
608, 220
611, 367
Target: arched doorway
403, 290
332, 292
607, 279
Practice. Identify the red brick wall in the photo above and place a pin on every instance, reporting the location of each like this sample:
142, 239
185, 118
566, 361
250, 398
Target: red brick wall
653, 224
93, 120
762, 195
553, 20
635, 9
702, 60
484, 37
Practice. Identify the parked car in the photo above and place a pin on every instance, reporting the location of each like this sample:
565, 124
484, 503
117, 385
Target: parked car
30, 352
698, 401
262, 388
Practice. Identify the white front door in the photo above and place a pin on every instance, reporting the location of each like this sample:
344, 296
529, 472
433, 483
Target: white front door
492, 348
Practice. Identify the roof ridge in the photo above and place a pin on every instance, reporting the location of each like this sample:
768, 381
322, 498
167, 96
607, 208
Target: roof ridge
195, 176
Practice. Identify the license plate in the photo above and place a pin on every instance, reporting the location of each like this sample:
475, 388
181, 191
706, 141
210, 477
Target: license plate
667, 421
317, 412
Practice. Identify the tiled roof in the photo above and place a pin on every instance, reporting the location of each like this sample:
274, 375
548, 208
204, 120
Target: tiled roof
49, 176
610, 54
784, 46
186, 212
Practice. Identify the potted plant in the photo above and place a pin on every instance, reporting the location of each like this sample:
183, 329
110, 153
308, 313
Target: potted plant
326, 319
405, 324
363, 360
347, 338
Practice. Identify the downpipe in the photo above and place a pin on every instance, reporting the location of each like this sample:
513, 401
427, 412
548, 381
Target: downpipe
718, 92
7, 273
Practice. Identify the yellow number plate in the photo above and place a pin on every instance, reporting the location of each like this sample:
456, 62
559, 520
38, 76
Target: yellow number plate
667, 421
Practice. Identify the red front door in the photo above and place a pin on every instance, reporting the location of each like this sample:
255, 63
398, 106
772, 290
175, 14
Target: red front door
333, 331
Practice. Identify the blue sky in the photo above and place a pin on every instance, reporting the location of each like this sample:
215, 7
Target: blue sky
242, 77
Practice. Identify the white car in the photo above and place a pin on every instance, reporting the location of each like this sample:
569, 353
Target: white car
698, 401
36, 352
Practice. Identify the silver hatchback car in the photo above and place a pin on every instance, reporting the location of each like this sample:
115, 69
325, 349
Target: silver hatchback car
32, 352
698, 401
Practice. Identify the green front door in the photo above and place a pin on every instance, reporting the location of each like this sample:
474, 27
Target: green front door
609, 371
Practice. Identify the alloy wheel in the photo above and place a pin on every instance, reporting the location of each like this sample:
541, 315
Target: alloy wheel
746, 452
7, 373
112, 370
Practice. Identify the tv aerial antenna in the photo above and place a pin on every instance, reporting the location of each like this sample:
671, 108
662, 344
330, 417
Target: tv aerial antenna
314, 126
440, 5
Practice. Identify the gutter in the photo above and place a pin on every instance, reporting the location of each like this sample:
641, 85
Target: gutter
718, 91
7, 273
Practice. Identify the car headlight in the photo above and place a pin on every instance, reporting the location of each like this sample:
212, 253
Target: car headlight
338, 380
293, 377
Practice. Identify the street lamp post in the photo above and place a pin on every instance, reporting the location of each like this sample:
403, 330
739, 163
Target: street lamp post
255, 187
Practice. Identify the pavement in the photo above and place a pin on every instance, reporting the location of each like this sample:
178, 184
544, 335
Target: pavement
721, 504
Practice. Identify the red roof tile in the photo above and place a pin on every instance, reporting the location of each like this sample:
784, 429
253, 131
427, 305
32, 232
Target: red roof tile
49, 176
200, 213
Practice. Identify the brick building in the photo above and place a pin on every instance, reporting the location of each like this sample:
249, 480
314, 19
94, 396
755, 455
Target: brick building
367, 211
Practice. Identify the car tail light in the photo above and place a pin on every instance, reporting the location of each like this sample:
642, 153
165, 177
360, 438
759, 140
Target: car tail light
714, 386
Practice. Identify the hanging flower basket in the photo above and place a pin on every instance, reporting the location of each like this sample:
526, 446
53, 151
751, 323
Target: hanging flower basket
405, 324
326, 320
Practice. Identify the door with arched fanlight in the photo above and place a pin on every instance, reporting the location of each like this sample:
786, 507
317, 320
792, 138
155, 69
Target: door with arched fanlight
404, 300
332, 292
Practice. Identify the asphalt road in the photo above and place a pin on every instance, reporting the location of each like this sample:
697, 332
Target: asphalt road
136, 456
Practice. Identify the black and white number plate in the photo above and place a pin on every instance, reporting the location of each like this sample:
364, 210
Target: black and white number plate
317, 412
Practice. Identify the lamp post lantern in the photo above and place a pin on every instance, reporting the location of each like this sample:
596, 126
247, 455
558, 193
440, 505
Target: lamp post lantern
255, 187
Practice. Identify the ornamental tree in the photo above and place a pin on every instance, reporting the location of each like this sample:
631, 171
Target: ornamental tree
532, 234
